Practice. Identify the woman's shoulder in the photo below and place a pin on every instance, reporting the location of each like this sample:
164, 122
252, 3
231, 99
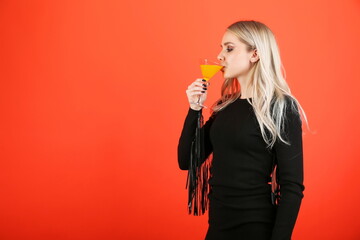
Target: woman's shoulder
289, 102
291, 109
287, 106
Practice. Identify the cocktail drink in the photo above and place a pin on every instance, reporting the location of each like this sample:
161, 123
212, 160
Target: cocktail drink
208, 70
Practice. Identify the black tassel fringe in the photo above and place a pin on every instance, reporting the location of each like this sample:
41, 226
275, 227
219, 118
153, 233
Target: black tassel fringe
198, 174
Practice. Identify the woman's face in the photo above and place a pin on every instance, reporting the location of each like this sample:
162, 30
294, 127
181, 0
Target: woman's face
234, 56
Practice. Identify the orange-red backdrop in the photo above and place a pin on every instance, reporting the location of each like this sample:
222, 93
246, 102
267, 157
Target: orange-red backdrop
93, 101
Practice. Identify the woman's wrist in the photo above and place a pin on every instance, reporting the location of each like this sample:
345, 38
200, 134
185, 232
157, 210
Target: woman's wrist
195, 107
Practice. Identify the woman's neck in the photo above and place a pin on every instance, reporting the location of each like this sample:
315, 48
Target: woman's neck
246, 91
245, 82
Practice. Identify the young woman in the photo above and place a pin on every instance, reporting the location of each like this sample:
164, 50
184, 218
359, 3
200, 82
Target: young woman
254, 124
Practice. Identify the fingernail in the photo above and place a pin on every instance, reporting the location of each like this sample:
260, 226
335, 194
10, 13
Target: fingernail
204, 88
202, 91
203, 80
204, 85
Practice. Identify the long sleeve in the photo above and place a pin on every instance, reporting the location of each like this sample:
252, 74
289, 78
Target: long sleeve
187, 136
290, 175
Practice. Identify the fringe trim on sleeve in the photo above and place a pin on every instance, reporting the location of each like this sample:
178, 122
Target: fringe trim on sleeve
198, 174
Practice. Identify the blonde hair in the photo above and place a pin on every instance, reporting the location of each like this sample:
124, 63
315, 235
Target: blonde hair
266, 80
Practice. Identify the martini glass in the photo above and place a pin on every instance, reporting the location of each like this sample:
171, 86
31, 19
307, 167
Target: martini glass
208, 70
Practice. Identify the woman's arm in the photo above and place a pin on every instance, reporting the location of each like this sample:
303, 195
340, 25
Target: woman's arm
290, 175
187, 136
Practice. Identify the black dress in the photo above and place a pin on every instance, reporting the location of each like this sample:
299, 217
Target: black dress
240, 201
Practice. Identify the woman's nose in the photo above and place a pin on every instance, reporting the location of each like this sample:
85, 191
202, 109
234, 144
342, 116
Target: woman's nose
220, 58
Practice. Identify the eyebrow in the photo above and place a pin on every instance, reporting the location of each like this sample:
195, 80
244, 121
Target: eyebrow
226, 43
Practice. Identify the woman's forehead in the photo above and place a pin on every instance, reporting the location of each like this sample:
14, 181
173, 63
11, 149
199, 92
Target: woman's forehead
229, 37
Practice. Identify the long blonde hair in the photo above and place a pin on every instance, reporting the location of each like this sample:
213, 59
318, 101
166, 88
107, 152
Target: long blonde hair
266, 79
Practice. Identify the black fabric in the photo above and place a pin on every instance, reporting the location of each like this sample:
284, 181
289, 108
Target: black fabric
198, 173
239, 191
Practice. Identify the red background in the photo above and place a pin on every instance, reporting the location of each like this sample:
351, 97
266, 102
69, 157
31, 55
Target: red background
93, 100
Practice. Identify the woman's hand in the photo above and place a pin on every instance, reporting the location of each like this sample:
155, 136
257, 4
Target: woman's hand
196, 89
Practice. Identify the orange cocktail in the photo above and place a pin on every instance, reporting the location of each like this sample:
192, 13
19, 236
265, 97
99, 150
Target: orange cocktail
208, 71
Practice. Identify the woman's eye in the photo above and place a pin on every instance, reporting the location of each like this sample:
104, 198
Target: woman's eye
229, 49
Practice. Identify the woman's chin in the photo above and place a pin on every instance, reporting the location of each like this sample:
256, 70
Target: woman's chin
226, 75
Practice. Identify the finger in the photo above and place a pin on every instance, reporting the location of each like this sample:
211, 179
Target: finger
191, 86
201, 84
196, 94
197, 89
197, 82
201, 90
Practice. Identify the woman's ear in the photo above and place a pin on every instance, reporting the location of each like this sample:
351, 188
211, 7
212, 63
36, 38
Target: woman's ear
255, 57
